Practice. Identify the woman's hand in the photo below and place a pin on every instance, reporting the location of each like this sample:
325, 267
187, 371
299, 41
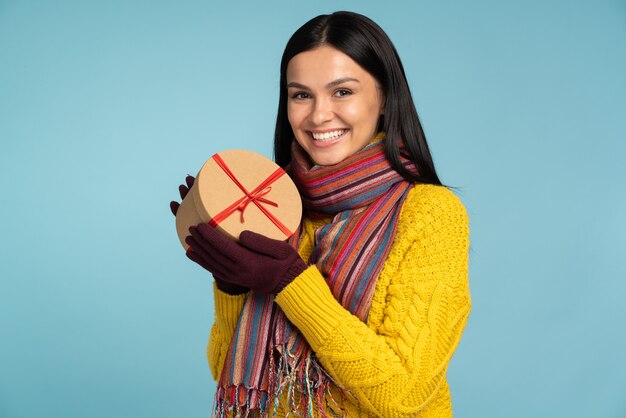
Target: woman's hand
262, 264
183, 190
226, 287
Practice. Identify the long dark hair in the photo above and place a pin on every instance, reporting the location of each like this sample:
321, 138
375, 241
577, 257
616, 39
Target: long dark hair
369, 46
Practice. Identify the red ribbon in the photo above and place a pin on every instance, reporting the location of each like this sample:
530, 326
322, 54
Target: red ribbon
255, 196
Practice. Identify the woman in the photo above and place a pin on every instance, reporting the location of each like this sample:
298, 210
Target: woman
358, 314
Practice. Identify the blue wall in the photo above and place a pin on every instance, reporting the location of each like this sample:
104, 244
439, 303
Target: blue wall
105, 106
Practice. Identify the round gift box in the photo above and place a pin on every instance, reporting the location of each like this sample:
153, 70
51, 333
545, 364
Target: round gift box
239, 190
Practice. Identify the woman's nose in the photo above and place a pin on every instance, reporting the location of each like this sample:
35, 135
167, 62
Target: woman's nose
322, 112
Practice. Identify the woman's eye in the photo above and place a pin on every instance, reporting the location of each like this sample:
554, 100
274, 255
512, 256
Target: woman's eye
300, 95
343, 92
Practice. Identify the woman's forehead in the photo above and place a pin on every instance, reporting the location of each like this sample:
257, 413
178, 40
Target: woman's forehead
323, 65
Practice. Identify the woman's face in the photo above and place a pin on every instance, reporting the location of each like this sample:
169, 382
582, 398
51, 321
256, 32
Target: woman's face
333, 104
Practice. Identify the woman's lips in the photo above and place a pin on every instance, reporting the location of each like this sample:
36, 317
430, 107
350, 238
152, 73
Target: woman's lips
328, 135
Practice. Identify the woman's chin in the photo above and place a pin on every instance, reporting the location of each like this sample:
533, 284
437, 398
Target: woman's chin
327, 158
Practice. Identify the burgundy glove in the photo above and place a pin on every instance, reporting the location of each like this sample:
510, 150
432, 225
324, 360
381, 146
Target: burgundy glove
226, 287
262, 264
183, 190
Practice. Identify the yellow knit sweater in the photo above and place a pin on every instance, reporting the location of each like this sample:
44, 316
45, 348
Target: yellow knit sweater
394, 365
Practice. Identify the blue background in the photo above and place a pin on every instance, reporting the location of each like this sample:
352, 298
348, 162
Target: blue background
106, 106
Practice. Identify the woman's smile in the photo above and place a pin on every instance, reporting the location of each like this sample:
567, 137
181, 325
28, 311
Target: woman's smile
329, 135
328, 138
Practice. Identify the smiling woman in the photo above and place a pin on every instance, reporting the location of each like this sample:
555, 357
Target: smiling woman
360, 311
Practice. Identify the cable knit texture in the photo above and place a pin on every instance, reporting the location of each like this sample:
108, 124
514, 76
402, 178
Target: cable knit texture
394, 365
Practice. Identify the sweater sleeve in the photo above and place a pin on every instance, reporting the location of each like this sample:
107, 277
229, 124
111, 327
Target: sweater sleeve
227, 310
395, 364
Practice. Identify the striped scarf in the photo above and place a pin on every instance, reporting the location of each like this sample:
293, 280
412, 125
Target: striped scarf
268, 358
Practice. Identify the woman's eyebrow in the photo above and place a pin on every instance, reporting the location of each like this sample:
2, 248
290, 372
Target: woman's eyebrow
340, 81
333, 83
296, 85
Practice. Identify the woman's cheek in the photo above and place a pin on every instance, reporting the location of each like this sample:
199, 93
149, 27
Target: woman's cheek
296, 114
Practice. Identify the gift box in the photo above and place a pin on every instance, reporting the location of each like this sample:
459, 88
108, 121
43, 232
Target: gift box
239, 190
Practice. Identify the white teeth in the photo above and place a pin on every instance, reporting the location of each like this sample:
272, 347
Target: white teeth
326, 136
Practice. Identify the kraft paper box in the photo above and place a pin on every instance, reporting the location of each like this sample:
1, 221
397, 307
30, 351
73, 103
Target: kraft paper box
237, 190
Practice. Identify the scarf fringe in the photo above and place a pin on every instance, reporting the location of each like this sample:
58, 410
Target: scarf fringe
303, 381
